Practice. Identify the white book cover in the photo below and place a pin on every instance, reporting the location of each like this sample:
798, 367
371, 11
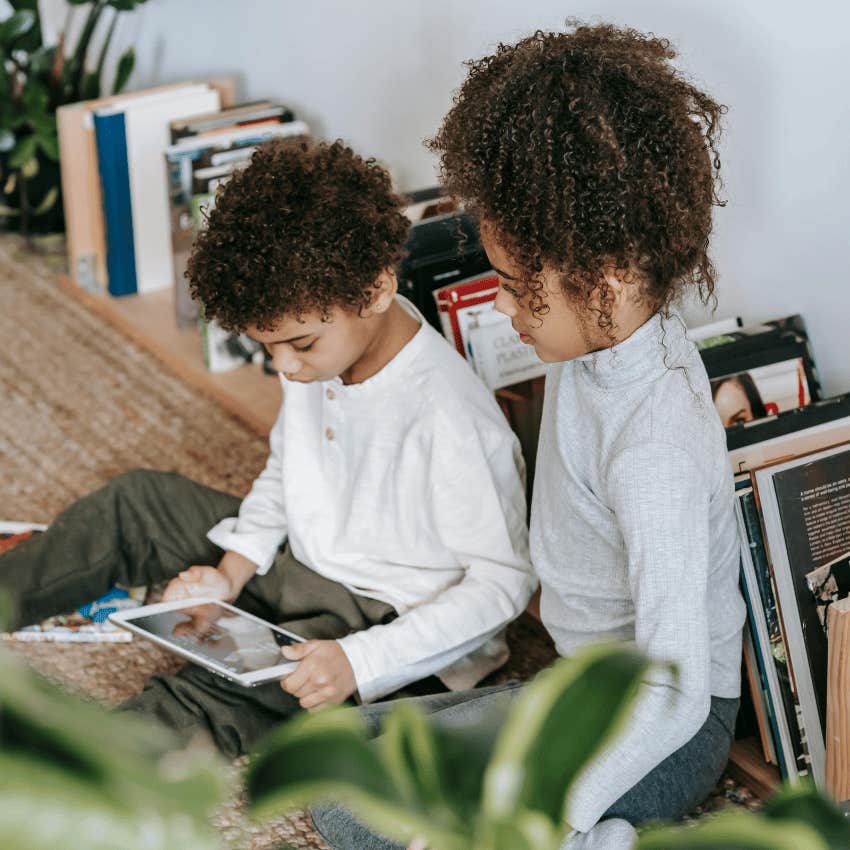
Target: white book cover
147, 130
499, 356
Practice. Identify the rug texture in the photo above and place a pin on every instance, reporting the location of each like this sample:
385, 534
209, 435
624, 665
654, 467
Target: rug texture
82, 403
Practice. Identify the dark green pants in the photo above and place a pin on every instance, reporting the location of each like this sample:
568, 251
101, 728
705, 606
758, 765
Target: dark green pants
143, 528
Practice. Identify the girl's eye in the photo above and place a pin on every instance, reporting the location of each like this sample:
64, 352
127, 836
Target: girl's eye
304, 347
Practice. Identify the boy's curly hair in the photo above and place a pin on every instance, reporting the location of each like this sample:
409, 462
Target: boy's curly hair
305, 227
587, 152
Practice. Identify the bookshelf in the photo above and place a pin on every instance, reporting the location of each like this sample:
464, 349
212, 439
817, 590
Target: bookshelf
254, 398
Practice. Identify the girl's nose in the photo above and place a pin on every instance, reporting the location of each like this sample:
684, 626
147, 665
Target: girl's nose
505, 303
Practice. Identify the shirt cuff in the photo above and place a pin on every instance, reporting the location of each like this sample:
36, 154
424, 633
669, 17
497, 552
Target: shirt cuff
260, 549
368, 687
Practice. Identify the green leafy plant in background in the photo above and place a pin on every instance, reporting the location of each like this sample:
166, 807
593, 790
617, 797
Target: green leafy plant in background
35, 79
458, 791
74, 775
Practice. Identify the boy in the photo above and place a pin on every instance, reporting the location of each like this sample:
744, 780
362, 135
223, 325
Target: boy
388, 525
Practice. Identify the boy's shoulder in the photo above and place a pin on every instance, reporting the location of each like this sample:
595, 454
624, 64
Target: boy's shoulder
445, 391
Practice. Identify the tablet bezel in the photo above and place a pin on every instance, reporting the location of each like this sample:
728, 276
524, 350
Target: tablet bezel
125, 618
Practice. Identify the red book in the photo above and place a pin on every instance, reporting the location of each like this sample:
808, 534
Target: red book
459, 302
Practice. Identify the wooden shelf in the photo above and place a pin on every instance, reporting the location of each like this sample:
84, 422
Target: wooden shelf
149, 320
747, 765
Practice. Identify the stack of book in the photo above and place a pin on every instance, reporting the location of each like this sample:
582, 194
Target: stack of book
790, 452
132, 166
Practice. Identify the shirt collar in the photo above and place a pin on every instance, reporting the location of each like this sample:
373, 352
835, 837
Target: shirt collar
398, 366
658, 345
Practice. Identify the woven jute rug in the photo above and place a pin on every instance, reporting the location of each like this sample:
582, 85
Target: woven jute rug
80, 403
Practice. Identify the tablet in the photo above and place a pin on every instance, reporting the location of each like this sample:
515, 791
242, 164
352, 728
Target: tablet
216, 635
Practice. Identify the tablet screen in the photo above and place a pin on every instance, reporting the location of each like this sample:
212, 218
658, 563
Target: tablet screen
239, 644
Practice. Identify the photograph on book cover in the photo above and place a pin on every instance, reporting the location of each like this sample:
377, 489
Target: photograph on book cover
806, 509
828, 584
763, 391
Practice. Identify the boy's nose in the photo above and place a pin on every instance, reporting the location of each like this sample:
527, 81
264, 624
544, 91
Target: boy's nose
504, 303
286, 362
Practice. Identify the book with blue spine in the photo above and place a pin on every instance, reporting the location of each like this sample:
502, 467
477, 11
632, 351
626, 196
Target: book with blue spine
111, 136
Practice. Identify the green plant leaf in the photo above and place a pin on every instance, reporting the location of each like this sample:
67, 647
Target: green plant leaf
327, 756
17, 25
804, 804
90, 87
41, 61
559, 722
47, 201
734, 831
30, 168
313, 753
8, 212
125, 68
124, 759
24, 151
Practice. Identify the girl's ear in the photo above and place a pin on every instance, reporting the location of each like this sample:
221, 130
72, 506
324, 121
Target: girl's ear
383, 292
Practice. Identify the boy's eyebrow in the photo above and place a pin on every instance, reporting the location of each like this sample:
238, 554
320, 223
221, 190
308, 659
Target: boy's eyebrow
291, 339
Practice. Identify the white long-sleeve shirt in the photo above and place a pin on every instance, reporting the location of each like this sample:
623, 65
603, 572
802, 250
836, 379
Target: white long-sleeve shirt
633, 538
407, 488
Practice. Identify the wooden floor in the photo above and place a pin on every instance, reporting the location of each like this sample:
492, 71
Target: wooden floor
149, 319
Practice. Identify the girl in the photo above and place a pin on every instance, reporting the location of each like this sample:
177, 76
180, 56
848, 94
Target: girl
592, 166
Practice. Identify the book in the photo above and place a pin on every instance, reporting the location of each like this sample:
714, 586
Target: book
760, 598
714, 333
738, 353
241, 115
439, 251
199, 152
459, 304
805, 505
761, 707
498, 355
87, 624
755, 393
81, 190
819, 425
131, 137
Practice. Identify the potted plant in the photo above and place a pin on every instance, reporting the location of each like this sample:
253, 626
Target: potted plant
35, 79
458, 792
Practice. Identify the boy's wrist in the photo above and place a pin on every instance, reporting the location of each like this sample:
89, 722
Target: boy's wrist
238, 571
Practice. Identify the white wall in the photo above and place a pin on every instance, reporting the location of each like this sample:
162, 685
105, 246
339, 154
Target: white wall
380, 74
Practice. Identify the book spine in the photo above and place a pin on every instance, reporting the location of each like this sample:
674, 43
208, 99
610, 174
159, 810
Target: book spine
767, 594
111, 139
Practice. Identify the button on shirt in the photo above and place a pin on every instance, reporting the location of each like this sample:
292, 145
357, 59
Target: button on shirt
407, 488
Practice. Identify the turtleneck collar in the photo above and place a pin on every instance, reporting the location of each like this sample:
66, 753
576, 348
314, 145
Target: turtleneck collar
658, 345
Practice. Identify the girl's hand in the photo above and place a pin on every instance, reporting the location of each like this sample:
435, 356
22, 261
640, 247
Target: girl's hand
323, 675
208, 582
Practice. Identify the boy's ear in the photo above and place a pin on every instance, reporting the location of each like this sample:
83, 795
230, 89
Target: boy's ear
384, 292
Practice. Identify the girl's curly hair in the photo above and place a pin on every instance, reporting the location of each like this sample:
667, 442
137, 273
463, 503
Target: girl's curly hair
587, 151
302, 229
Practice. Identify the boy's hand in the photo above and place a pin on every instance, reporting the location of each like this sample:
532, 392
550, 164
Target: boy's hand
323, 675
209, 582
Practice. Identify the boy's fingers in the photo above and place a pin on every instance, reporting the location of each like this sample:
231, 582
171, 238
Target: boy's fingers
316, 698
297, 651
